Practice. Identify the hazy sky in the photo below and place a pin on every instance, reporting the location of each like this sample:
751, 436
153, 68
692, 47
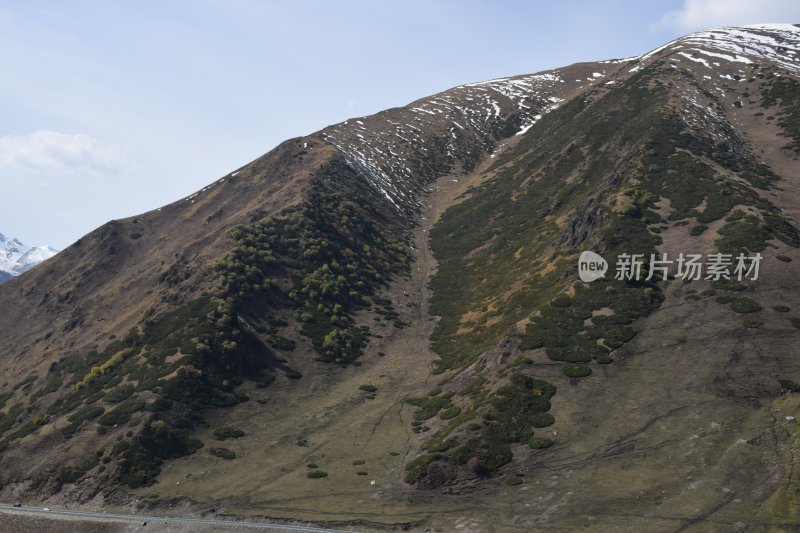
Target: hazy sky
114, 108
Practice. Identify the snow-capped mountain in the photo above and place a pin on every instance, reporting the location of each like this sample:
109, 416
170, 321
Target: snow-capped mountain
444, 235
17, 257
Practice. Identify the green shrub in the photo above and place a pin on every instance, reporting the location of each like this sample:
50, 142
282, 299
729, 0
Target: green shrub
224, 433
745, 305
358, 462
118, 394
542, 420
576, 371
513, 480
122, 412
795, 321
29, 427
87, 412
69, 474
158, 405
282, 343
697, 230
784, 258
429, 406
317, 474
452, 412
368, 388
539, 443
781, 308
789, 385
223, 453
416, 469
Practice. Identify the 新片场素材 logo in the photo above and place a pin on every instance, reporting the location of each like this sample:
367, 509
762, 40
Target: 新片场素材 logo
714, 267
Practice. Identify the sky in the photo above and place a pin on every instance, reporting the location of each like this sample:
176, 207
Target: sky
110, 109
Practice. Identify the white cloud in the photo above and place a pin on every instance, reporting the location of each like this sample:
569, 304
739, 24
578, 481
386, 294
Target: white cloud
47, 150
702, 14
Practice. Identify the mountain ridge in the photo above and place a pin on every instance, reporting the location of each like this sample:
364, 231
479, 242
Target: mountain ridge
309, 263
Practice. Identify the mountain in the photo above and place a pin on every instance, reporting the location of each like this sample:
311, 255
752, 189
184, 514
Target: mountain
16, 257
386, 323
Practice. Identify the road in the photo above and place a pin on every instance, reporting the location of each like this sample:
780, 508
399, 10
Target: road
161, 520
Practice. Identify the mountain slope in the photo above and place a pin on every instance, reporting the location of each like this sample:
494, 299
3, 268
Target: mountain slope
391, 306
16, 257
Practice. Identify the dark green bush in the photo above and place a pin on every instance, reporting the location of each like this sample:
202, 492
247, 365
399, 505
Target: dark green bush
415, 469
538, 443
224, 433
429, 406
122, 412
789, 385
745, 305
449, 413
576, 371
118, 394
542, 420
223, 453
77, 418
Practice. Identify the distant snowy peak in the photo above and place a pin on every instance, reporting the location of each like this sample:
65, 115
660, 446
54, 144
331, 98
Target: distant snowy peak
16, 257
